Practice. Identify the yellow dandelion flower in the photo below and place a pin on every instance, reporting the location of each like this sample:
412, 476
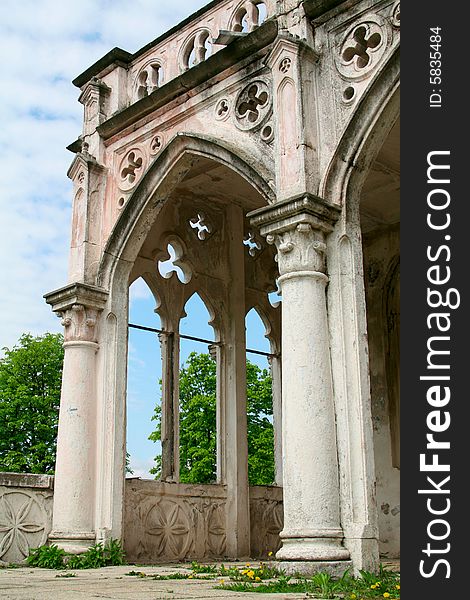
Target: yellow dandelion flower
397, 587
251, 574
386, 595
373, 586
257, 578
353, 596
190, 577
270, 553
247, 565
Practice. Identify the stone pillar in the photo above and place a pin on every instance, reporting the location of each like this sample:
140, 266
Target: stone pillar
234, 401
312, 530
170, 407
73, 523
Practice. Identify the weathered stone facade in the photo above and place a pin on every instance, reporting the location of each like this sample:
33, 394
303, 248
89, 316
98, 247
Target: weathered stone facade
261, 152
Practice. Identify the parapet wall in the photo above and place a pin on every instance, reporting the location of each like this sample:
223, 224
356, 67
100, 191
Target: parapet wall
167, 522
163, 522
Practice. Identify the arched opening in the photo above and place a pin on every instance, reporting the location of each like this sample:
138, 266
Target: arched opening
199, 255
380, 225
197, 396
261, 462
143, 376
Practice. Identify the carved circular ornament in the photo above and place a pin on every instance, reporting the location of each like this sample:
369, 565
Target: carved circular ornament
23, 525
362, 49
131, 169
253, 106
156, 144
169, 527
222, 109
285, 64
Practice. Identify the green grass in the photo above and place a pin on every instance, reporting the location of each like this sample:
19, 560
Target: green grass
385, 584
99, 555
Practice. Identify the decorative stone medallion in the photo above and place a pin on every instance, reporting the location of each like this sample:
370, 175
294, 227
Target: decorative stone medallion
253, 106
156, 144
23, 525
131, 169
168, 524
222, 109
361, 50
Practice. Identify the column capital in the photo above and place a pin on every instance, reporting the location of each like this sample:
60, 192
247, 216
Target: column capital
287, 214
298, 226
78, 305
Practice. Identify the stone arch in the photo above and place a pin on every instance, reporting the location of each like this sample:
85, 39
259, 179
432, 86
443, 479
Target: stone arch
167, 170
368, 127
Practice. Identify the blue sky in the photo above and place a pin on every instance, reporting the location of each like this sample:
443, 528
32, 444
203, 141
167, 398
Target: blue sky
45, 44
144, 365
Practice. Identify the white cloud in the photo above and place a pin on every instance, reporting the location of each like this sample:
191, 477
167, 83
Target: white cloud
141, 467
46, 44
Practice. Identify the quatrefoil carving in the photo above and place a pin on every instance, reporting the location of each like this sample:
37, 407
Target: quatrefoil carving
362, 49
201, 227
175, 263
131, 169
253, 105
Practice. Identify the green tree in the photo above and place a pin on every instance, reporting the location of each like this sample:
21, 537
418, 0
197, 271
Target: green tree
198, 423
30, 379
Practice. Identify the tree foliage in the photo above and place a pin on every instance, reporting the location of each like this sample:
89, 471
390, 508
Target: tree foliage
198, 423
30, 380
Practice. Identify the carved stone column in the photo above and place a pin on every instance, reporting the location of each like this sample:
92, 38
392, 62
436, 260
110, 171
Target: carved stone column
312, 530
73, 524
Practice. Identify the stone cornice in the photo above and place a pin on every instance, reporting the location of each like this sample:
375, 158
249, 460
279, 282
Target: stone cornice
77, 294
287, 214
316, 10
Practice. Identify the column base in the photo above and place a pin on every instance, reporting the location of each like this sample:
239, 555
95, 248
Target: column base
325, 547
335, 568
73, 542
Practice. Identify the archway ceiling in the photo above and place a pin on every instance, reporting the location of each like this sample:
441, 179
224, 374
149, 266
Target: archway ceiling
212, 182
380, 198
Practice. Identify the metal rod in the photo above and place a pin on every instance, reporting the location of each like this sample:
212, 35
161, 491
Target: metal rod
196, 339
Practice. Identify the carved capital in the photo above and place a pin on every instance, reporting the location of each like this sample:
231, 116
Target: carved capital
301, 248
80, 323
298, 227
78, 305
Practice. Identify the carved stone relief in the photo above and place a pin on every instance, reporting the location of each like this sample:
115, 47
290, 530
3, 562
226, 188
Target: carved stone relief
266, 520
131, 169
168, 522
79, 323
301, 248
25, 521
175, 522
253, 106
362, 49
